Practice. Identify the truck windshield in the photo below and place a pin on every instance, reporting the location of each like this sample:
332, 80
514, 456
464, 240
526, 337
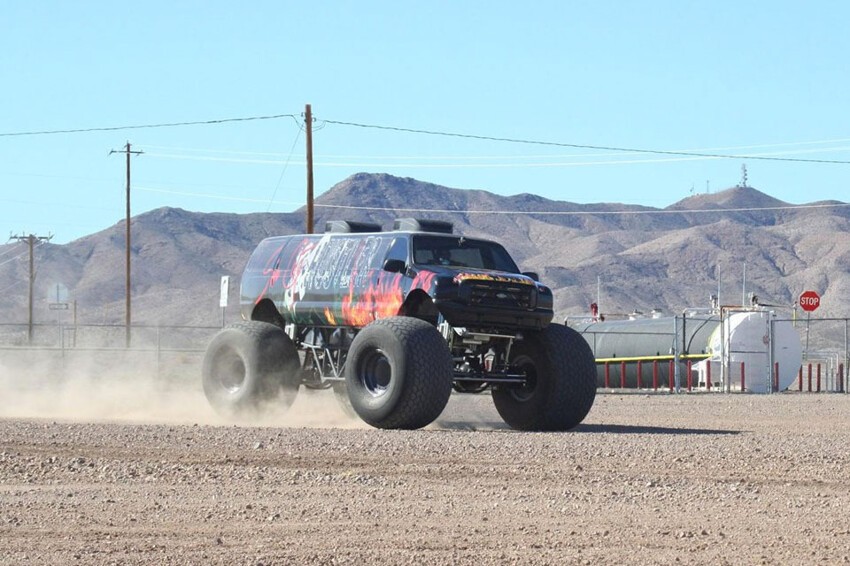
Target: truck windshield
462, 252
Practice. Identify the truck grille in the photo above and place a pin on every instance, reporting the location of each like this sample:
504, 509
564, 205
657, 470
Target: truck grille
500, 294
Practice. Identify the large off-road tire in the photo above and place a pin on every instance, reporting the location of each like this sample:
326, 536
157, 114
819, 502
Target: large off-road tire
399, 373
248, 365
561, 381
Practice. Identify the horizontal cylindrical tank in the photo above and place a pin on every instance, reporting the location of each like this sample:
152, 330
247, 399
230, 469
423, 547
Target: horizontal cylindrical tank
752, 337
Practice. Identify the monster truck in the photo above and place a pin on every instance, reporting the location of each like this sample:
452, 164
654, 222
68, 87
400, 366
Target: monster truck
393, 322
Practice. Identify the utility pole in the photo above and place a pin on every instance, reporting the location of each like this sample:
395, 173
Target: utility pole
308, 121
31, 239
127, 318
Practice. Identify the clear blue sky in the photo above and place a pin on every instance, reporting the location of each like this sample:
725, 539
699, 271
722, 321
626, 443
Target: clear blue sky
763, 78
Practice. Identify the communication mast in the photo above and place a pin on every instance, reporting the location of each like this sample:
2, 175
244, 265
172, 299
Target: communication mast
743, 184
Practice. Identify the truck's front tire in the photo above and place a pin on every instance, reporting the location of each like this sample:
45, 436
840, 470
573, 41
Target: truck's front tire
560, 381
249, 364
399, 373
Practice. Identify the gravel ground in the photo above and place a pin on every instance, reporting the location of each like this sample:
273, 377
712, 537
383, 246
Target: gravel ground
647, 479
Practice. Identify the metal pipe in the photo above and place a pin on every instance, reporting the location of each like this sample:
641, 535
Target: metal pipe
770, 357
723, 348
677, 377
651, 358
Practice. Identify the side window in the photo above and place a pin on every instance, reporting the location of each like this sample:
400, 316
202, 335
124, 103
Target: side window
398, 250
267, 255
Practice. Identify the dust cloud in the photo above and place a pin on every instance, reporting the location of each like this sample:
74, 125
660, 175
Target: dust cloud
133, 387
140, 388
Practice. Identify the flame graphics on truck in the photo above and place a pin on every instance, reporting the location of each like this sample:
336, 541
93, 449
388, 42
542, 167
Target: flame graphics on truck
331, 279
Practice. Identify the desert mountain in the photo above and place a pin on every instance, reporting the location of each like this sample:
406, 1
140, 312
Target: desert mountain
639, 258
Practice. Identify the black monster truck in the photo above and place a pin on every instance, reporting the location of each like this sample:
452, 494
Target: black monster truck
392, 321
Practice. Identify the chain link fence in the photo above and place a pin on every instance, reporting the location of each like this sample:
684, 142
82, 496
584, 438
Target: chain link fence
167, 353
174, 353
825, 354
673, 354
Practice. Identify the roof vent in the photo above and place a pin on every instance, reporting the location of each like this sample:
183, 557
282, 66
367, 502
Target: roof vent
417, 225
349, 227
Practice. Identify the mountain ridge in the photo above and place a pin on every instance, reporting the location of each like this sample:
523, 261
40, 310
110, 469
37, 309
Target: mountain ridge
639, 257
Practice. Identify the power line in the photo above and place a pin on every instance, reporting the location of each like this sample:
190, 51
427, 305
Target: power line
618, 150
218, 159
11, 249
213, 150
583, 146
618, 153
141, 126
4, 289
456, 157
10, 260
502, 165
208, 195
283, 171
22, 254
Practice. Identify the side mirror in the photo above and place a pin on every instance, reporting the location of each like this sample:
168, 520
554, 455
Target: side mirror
532, 274
394, 266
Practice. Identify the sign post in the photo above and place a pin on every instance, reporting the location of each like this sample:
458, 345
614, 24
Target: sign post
809, 302
58, 300
225, 291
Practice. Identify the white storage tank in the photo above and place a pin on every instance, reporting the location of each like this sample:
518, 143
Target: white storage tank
748, 341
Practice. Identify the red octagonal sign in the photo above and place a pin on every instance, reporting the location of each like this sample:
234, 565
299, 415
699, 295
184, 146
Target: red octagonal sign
809, 301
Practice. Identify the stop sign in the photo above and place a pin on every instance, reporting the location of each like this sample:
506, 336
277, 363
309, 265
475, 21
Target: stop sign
809, 301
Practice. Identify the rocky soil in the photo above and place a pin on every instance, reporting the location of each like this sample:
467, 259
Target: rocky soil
647, 479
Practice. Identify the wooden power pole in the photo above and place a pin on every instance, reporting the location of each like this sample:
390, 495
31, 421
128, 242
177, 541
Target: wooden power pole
31, 239
308, 121
127, 316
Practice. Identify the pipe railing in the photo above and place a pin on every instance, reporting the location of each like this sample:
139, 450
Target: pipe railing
819, 377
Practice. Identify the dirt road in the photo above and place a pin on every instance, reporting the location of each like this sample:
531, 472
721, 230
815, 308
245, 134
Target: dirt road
688, 479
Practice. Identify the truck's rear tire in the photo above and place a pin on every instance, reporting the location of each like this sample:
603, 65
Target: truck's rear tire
248, 365
560, 381
399, 373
